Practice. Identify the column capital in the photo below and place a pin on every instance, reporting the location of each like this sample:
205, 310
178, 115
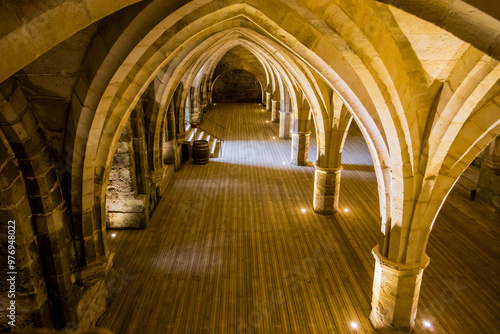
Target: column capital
400, 269
328, 170
299, 133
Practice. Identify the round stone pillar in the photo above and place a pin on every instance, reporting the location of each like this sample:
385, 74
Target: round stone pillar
285, 125
268, 101
300, 148
275, 114
326, 190
396, 288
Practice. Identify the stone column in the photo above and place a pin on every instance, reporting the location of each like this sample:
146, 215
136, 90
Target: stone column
275, 113
181, 137
285, 124
161, 178
300, 148
396, 288
268, 101
326, 190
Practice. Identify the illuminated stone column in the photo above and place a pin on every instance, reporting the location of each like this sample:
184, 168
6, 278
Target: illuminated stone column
268, 101
275, 113
285, 124
396, 288
300, 148
326, 190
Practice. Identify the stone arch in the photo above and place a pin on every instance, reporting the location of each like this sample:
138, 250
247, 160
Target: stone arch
393, 125
46, 18
453, 16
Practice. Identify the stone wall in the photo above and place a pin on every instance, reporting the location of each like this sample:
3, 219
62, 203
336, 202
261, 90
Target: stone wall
125, 206
239, 58
488, 187
237, 86
238, 77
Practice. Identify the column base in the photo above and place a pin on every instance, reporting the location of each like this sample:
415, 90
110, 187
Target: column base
326, 190
396, 289
300, 148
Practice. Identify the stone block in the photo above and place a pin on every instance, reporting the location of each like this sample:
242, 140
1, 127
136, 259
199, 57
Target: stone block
13, 193
127, 220
46, 203
32, 146
90, 250
43, 184
396, 289
25, 233
326, 190
300, 148
8, 174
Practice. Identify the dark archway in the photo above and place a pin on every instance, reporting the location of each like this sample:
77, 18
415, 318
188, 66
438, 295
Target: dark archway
237, 86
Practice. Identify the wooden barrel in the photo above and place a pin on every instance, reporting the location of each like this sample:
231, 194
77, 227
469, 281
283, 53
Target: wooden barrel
201, 152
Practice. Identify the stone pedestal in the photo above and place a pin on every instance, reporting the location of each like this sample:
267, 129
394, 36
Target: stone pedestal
268, 101
300, 148
396, 288
285, 124
326, 190
275, 113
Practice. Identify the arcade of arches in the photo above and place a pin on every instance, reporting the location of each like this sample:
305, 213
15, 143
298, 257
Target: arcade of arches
96, 98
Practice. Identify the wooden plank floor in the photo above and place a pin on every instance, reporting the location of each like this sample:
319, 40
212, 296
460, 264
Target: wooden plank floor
229, 249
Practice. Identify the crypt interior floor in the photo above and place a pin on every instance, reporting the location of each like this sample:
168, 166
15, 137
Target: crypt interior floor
230, 250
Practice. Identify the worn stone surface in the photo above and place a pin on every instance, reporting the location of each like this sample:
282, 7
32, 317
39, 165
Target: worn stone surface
488, 187
395, 294
237, 86
275, 111
326, 190
125, 206
300, 148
